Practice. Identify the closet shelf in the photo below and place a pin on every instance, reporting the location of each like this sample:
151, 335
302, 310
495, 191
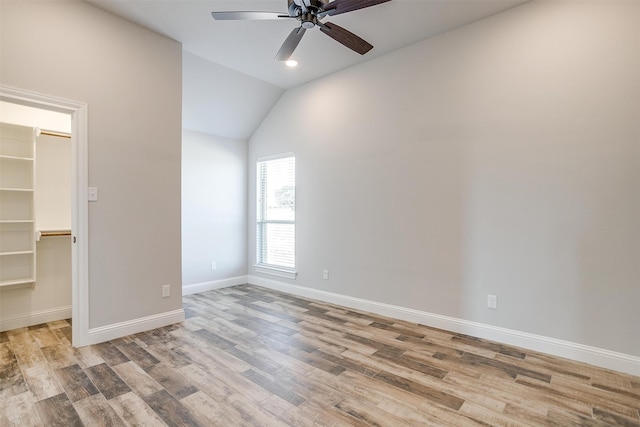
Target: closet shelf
16, 253
53, 233
27, 190
17, 217
17, 282
29, 159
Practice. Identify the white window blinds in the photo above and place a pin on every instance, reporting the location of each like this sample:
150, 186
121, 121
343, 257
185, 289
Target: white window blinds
276, 210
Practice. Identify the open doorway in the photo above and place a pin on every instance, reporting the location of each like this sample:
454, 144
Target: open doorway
35, 217
74, 227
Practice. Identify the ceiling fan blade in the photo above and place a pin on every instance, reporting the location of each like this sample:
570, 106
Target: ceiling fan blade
337, 7
290, 44
238, 16
346, 37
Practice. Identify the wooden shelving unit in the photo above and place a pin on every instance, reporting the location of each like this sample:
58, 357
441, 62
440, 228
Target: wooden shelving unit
17, 213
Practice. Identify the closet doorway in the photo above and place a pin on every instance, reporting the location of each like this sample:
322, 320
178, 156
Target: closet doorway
60, 211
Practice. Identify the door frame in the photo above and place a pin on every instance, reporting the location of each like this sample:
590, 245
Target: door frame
79, 198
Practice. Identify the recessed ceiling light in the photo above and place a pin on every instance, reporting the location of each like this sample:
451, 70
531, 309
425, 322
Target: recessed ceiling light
292, 63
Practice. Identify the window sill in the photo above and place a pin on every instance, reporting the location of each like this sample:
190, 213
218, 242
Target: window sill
287, 273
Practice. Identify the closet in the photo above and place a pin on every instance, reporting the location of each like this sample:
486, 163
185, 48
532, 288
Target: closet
35, 225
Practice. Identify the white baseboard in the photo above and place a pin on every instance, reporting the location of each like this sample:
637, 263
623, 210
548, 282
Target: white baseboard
215, 284
595, 356
35, 318
117, 330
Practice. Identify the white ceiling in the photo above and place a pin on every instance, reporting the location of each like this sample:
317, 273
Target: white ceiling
250, 46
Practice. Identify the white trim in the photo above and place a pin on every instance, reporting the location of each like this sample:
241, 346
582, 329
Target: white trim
583, 353
195, 288
274, 157
122, 329
79, 209
80, 225
286, 273
35, 318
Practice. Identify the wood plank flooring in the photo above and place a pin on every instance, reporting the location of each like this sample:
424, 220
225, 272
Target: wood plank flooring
248, 356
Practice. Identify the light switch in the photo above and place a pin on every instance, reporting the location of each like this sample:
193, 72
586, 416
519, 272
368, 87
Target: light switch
93, 194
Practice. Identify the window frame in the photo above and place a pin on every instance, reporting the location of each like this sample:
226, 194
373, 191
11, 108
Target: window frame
261, 222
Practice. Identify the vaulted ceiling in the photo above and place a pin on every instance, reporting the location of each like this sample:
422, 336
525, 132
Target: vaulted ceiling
249, 48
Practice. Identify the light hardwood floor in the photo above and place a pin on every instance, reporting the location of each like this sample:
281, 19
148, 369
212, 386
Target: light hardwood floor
247, 356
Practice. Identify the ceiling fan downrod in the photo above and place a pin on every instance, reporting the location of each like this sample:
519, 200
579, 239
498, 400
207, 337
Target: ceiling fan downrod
299, 7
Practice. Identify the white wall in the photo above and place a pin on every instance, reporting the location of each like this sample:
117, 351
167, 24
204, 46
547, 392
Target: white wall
500, 158
214, 208
130, 78
53, 183
34, 117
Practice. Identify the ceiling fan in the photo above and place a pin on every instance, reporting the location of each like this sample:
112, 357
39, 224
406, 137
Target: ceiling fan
310, 14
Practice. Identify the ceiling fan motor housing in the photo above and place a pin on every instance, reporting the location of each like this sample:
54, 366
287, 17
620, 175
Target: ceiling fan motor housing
295, 8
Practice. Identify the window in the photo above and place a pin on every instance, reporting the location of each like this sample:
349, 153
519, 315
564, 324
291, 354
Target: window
275, 215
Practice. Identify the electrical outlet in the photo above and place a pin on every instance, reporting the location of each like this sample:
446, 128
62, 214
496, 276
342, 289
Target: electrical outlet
492, 301
214, 266
166, 291
325, 274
